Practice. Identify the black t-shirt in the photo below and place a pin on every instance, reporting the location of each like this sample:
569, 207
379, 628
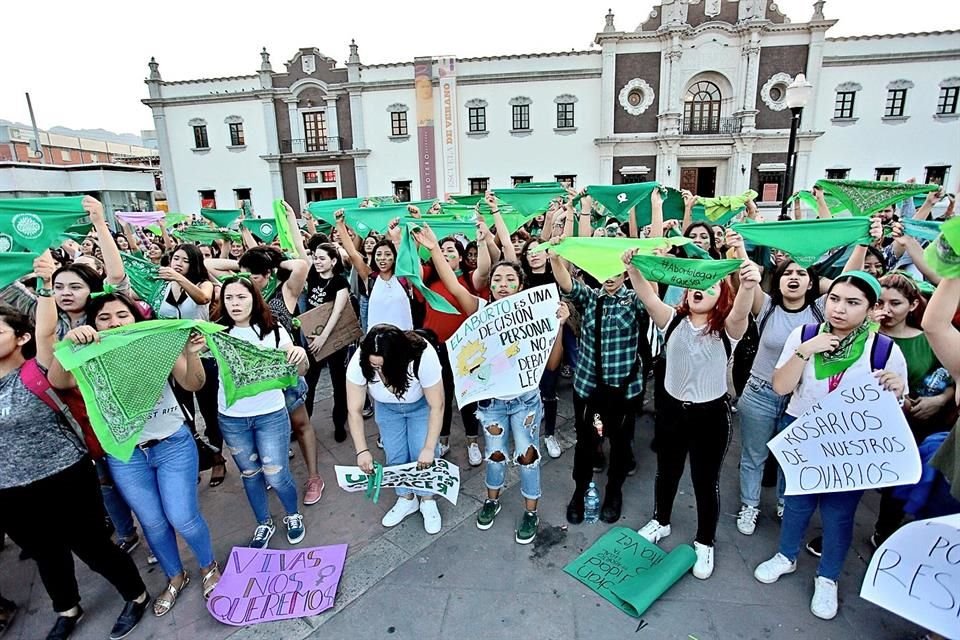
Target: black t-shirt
321, 291
539, 279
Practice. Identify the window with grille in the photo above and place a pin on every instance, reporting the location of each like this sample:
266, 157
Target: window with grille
634, 178
398, 123
236, 134
521, 180
315, 131
567, 180
843, 106
401, 189
479, 185
936, 175
477, 119
701, 108
896, 101
947, 101
888, 174
521, 117
838, 174
565, 115
200, 137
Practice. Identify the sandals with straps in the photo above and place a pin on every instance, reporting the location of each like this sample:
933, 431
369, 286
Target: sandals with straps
165, 601
210, 580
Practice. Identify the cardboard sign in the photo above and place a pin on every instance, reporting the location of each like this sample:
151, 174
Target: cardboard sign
261, 585
855, 438
442, 479
347, 330
916, 574
502, 349
629, 572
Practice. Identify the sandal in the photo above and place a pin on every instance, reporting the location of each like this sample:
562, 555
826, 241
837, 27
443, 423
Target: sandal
210, 580
165, 601
216, 479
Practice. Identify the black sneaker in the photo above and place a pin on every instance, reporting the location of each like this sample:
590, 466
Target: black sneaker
127, 545
64, 626
575, 509
129, 618
815, 546
612, 505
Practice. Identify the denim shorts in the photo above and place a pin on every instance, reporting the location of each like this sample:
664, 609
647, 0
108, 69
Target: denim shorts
296, 395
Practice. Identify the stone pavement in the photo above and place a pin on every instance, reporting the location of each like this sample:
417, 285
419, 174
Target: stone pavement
404, 584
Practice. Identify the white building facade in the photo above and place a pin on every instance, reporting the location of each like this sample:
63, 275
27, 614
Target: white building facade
694, 98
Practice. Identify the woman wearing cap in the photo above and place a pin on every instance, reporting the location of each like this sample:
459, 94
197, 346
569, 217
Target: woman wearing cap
811, 370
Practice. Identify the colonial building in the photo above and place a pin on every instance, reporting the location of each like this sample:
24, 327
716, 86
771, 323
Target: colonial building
693, 97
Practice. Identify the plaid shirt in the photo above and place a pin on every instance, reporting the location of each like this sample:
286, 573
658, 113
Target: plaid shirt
618, 338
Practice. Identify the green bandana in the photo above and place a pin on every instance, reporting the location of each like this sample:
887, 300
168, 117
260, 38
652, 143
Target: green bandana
690, 249
601, 257
37, 224
262, 228
374, 481
284, 233
222, 218
685, 272
806, 240
530, 200
271, 287
943, 254
807, 198
720, 206
923, 230
170, 220
864, 197
470, 200
121, 398
408, 266
15, 265
847, 352
145, 280
618, 199
204, 235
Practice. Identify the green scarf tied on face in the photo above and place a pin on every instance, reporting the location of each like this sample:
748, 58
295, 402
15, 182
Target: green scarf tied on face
408, 266
849, 350
720, 206
121, 398
222, 218
601, 257
15, 265
806, 240
685, 272
145, 280
864, 197
37, 224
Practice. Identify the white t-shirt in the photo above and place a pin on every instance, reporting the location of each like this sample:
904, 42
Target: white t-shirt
430, 374
266, 401
166, 419
810, 390
389, 304
186, 310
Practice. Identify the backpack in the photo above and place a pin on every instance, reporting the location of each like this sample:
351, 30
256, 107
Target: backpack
660, 368
67, 404
879, 352
746, 351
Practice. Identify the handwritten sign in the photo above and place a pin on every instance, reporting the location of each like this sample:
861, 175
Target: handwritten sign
916, 574
347, 330
502, 349
261, 585
856, 438
442, 479
629, 572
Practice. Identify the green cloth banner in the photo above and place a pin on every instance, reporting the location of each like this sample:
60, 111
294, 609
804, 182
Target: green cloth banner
865, 197
529, 201
145, 280
601, 257
284, 233
629, 572
408, 266
120, 398
686, 273
806, 240
37, 224
15, 265
204, 234
263, 228
720, 206
222, 218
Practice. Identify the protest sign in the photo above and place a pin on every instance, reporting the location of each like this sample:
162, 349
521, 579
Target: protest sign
346, 331
629, 572
502, 349
261, 585
916, 574
442, 479
855, 438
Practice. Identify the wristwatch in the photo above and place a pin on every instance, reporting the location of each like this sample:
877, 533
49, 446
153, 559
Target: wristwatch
44, 292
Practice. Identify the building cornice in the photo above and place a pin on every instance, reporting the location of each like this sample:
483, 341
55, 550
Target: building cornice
894, 36
164, 83
214, 97
485, 78
891, 58
515, 56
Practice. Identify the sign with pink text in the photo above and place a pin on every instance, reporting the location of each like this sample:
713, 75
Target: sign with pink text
262, 585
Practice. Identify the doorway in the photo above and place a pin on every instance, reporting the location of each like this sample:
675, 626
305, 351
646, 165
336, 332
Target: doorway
701, 181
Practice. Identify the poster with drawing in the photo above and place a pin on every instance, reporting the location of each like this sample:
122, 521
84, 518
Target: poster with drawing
502, 349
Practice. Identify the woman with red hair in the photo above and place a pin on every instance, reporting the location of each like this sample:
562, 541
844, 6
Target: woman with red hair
692, 411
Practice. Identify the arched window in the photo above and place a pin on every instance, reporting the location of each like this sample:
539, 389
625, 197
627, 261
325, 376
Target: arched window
701, 108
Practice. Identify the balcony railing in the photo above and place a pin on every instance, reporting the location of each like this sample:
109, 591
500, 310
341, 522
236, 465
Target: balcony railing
711, 126
311, 145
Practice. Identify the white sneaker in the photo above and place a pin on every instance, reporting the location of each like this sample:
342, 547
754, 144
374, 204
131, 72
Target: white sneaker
442, 448
747, 520
431, 516
474, 455
399, 511
553, 447
703, 568
770, 571
824, 602
654, 532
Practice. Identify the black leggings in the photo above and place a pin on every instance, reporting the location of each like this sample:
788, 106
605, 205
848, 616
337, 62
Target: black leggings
206, 402
75, 494
336, 363
471, 425
703, 431
618, 420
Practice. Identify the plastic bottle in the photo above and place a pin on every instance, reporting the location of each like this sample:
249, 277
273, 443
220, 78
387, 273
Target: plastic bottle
591, 504
935, 383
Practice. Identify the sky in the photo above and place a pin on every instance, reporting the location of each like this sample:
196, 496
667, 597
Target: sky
84, 62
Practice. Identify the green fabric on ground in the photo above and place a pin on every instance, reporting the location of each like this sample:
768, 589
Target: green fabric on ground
15, 265
221, 217
408, 266
262, 228
864, 197
145, 280
718, 207
806, 240
685, 272
601, 257
38, 224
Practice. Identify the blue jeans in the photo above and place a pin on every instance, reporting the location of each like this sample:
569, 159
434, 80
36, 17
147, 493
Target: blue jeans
364, 312
403, 430
760, 410
837, 511
296, 395
117, 509
160, 484
259, 446
520, 419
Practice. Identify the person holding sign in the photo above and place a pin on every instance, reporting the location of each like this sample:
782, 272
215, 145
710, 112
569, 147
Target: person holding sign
810, 369
503, 418
692, 411
402, 373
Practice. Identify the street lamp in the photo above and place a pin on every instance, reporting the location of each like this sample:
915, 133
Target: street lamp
798, 94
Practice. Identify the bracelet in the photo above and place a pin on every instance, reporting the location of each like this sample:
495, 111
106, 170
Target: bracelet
800, 355
44, 292
364, 451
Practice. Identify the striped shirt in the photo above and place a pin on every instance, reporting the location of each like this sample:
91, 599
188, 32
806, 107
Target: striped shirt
696, 363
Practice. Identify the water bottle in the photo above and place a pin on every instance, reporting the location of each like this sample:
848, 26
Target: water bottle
934, 383
591, 504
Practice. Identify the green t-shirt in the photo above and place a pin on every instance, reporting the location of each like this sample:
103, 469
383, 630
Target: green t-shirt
920, 359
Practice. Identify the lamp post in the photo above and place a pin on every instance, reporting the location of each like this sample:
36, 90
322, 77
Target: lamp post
798, 94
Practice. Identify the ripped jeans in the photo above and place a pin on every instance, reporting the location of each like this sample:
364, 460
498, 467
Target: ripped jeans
519, 418
259, 446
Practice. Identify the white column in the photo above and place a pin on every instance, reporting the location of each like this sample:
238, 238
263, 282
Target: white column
814, 62
276, 181
166, 159
296, 124
356, 124
606, 167
270, 126
360, 173
333, 125
608, 89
